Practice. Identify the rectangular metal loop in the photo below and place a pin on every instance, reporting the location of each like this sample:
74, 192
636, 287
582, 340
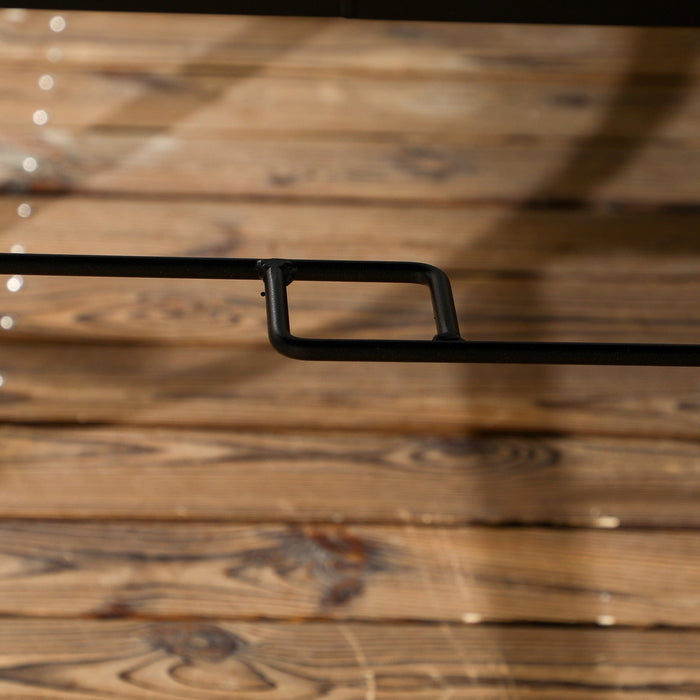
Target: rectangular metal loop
434, 278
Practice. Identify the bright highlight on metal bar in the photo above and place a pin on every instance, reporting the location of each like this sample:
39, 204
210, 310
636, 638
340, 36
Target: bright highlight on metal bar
446, 346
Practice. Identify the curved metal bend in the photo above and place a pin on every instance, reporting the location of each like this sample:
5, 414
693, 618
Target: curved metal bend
446, 346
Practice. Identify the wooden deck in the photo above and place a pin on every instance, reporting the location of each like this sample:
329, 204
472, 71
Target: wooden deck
187, 514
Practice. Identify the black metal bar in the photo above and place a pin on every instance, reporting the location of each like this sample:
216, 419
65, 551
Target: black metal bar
128, 266
446, 346
373, 271
596, 12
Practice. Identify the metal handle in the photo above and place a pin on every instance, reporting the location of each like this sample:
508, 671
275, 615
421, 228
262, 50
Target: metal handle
277, 274
446, 346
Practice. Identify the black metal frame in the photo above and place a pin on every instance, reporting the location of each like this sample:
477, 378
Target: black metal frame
597, 12
446, 346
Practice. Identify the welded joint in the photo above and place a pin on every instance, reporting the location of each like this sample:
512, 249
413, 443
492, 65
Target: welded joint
287, 267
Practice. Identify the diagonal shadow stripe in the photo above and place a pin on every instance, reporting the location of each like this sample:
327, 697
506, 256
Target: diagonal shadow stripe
153, 99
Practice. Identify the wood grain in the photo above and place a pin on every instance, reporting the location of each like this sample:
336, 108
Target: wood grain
247, 388
146, 473
337, 46
66, 660
371, 107
198, 570
412, 153
465, 239
422, 170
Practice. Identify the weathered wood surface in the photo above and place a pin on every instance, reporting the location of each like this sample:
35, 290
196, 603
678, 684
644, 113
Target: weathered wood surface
364, 106
251, 388
439, 173
275, 571
263, 476
199, 44
424, 148
466, 239
120, 660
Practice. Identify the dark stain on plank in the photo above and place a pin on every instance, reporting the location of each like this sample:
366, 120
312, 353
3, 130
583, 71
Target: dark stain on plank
408, 30
573, 100
282, 179
195, 641
433, 163
519, 61
151, 81
115, 609
228, 243
338, 560
12, 396
492, 452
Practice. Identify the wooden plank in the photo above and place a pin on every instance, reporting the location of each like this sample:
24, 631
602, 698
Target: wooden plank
67, 659
198, 570
463, 240
343, 107
88, 472
557, 307
211, 44
465, 662
421, 171
247, 388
